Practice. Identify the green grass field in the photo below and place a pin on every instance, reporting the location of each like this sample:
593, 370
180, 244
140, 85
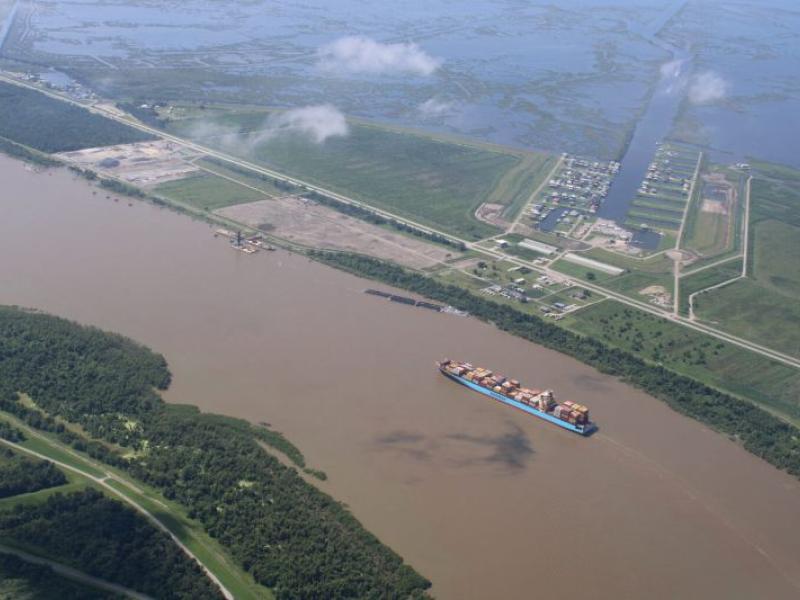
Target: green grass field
581, 272
438, 183
658, 203
749, 310
706, 278
656, 264
772, 385
665, 219
207, 192
776, 260
630, 284
519, 182
712, 234
248, 178
765, 307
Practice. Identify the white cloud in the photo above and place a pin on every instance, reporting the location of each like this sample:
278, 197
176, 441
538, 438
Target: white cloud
707, 87
358, 54
671, 69
673, 77
433, 107
317, 123
224, 135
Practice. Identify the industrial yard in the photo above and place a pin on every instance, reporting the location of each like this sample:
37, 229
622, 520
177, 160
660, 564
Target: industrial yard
144, 164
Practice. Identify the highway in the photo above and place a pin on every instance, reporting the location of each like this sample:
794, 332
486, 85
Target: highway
199, 148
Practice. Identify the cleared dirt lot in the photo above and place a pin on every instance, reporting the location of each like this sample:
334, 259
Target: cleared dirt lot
144, 163
492, 214
305, 222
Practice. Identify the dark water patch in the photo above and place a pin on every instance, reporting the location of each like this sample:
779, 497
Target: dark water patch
510, 450
646, 239
551, 221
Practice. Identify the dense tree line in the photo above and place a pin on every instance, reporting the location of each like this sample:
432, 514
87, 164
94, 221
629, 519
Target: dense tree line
104, 538
23, 153
10, 433
122, 188
21, 579
49, 125
760, 432
292, 537
20, 475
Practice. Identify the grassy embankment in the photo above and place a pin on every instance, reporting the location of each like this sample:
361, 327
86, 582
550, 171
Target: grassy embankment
434, 182
763, 306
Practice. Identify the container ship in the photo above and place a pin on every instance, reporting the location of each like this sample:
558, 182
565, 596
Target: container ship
542, 404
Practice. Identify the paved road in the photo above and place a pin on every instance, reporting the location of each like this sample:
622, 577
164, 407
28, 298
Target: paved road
746, 227
742, 343
74, 574
676, 267
102, 481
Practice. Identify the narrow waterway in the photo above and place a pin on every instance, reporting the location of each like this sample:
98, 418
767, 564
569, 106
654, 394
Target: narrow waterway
654, 125
486, 501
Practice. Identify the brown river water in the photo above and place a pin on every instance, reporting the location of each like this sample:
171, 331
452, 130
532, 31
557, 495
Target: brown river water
486, 501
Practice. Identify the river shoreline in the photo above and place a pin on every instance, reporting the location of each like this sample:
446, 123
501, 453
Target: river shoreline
466, 491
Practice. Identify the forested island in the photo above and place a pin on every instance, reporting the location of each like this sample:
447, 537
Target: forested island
293, 538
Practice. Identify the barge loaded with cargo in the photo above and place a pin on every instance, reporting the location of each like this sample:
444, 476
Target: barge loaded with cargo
542, 404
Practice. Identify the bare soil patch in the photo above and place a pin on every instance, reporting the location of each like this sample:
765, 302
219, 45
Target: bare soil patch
492, 214
305, 222
714, 206
144, 164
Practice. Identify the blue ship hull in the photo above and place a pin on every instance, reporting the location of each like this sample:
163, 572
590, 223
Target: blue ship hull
579, 429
